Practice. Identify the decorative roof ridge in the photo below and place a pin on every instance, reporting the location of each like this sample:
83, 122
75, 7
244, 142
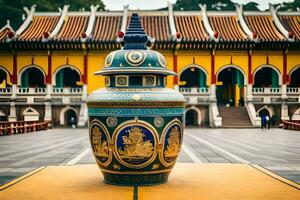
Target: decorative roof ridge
213, 35
287, 34
109, 13
60, 23
220, 13
135, 36
251, 35
171, 21
256, 13
46, 14
7, 25
91, 23
186, 13
27, 21
288, 13
79, 13
150, 12
124, 22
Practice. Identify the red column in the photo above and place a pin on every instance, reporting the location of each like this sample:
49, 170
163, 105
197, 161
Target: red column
14, 77
250, 77
213, 75
285, 77
49, 75
175, 80
85, 68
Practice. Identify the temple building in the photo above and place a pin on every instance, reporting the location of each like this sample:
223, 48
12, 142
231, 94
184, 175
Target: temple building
232, 66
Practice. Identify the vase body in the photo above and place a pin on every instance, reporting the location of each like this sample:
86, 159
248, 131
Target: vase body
136, 134
135, 122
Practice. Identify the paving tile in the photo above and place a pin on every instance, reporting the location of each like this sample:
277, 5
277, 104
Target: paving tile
277, 150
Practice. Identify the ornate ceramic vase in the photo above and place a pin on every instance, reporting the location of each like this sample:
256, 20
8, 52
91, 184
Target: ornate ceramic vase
135, 123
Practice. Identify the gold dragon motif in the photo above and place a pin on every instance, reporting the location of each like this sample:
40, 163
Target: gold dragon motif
100, 145
135, 146
173, 143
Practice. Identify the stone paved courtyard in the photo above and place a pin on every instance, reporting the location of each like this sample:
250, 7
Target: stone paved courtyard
277, 150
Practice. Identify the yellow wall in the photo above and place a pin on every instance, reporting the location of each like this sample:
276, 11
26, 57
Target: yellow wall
96, 62
260, 58
184, 58
202, 59
6, 61
60, 58
25, 59
222, 59
238, 59
169, 60
277, 61
292, 61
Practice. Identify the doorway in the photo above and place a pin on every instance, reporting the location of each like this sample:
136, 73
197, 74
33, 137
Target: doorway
70, 117
191, 118
230, 87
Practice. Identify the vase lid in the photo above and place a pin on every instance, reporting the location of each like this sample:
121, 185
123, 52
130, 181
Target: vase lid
135, 57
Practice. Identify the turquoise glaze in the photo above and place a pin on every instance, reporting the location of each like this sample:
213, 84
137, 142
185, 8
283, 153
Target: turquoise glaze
135, 123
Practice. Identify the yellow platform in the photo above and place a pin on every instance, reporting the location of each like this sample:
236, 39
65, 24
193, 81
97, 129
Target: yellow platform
187, 181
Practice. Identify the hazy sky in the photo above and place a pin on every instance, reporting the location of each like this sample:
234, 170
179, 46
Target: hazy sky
154, 4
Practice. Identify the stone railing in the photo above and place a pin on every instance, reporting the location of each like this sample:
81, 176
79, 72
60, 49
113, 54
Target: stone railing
5, 90
75, 90
31, 91
290, 90
194, 90
269, 91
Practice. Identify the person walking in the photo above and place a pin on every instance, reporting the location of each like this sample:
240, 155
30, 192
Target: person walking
268, 122
263, 122
72, 122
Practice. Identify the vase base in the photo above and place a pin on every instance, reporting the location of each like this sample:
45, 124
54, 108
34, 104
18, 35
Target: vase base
135, 179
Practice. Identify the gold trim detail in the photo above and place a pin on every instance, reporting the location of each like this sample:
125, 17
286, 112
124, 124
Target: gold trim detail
161, 59
109, 59
111, 121
135, 172
100, 148
131, 59
155, 166
117, 167
136, 147
158, 121
176, 142
135, 104
128, 70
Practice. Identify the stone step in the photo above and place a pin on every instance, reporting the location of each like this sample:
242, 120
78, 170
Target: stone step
242, 124
235, 117
239, 127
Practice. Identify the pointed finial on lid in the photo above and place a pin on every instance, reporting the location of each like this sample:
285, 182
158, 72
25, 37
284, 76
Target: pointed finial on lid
135, 36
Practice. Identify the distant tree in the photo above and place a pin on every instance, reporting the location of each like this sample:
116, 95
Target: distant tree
290, 6
211, 5
226, 5
13, 9
251, 6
